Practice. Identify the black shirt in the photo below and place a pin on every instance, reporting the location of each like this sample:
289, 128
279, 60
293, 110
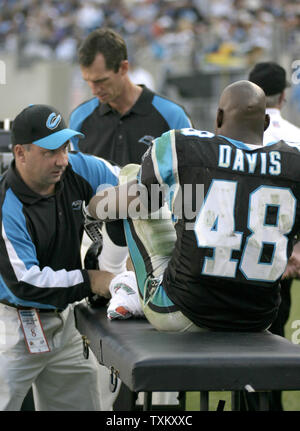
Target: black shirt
124, 139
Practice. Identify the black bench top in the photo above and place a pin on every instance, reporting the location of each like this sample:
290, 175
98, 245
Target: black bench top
148, 360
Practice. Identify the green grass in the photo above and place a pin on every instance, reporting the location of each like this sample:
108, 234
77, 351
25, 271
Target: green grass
291, 399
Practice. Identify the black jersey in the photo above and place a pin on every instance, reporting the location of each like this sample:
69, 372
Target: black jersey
237, 210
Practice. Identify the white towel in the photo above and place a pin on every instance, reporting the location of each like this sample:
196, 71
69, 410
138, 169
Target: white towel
125, 300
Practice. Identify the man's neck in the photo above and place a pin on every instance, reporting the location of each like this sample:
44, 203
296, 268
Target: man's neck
128, 98
41, 189
248, 137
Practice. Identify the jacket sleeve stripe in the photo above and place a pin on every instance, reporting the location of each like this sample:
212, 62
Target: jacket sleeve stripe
79, 115
94, 170
15, 234
21, 252
8, 296
22, 281
172, 113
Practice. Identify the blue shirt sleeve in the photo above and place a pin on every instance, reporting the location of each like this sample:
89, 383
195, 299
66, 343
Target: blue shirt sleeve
174, 114
79, 115
95, 170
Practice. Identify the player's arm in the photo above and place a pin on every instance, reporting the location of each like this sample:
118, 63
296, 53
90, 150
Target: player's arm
141, 197
113, 203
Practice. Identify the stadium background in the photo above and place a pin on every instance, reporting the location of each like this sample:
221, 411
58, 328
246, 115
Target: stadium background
191, 48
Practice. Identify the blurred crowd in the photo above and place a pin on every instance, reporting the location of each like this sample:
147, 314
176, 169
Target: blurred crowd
216, 31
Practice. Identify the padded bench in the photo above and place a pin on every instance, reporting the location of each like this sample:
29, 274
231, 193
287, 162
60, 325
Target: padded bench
147, 360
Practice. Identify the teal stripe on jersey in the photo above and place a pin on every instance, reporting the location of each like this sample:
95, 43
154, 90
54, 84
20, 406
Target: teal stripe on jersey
136, 257
161, 299
166, 165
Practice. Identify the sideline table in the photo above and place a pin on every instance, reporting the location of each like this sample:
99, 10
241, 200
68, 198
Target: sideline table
147, 360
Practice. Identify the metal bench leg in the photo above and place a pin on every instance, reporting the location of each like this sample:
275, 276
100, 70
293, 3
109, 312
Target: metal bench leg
235, 400
182, 400
264, 401
204, 400
126, 399
147, 401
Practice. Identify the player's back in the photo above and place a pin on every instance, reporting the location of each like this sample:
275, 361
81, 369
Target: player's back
237, 209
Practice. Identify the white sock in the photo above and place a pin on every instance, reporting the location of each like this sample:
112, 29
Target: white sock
112, 258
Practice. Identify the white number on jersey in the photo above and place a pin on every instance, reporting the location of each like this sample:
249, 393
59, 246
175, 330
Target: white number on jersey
215, 228
193, 132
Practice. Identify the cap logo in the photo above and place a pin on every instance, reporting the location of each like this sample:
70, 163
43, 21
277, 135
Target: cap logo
53, 121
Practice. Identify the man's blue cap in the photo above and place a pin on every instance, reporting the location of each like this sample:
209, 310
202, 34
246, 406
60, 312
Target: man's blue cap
41, 125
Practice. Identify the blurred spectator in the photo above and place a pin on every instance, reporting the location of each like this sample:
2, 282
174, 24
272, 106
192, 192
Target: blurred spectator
51, 29
140, 75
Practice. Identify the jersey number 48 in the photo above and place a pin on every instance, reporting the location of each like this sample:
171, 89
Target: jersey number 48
215, 228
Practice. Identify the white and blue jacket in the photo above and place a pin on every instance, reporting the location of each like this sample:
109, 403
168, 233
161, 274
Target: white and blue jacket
40, 241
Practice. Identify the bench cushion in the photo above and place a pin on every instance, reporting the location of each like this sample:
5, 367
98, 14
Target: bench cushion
148, 360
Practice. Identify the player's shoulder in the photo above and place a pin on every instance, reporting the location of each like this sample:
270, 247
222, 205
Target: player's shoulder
83, 110
285, 146
186, 136
289, 154
195, 133
187, 140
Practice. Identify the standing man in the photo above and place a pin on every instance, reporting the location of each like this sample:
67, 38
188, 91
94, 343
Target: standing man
122, 118
271, 77
40, 266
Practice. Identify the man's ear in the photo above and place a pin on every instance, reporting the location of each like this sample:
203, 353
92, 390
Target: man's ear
124, 67
19, 152
267, 121
282, 99
220, 117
